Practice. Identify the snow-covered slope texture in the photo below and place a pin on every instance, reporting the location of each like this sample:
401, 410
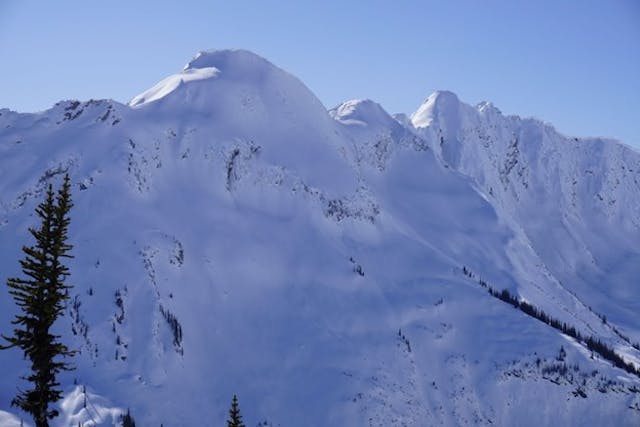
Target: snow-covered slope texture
233, 236
576, 200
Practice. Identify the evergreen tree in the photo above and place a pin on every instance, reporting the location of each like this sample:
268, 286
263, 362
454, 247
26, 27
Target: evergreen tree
40, 297
127, 420
235, 419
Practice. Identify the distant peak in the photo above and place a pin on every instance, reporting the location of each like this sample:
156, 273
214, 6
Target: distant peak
403, 119
171, 83
442, 102
486, 107
360, 111
227, 60
231, 64
444, 95
357, 106
366, 103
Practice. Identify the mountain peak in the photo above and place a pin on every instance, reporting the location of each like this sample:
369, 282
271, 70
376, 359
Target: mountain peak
487, 107
360, 111
439, 103
228, 60
230, 65
325, 239
444, 94
172, 83
251, 99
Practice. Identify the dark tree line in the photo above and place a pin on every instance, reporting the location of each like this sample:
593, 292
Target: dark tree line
592, 343
176, 328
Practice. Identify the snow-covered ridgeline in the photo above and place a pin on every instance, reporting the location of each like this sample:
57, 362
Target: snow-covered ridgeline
232, 236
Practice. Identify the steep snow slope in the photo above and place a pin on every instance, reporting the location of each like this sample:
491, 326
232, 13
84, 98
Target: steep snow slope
255, 101
232, 236
577, 201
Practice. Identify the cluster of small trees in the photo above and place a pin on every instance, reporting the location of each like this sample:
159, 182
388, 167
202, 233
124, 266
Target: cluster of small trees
597, 346
176, 328
535, 312
592, 343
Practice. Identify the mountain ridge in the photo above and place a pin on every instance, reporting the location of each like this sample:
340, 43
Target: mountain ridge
329, 249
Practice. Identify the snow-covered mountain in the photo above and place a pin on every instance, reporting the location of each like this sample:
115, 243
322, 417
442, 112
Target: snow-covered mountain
330, 267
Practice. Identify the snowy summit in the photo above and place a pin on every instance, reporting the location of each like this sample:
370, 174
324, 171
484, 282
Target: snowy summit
454, 266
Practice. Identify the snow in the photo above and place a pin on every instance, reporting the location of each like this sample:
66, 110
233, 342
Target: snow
78, 407
293, 243
9, 420
360, 112
441, 103
250, 99
171, 83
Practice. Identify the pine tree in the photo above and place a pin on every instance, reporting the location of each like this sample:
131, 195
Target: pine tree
127, 420
40, 297
235, 419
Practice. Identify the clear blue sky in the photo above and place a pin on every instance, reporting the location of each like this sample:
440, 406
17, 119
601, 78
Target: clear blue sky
573, 63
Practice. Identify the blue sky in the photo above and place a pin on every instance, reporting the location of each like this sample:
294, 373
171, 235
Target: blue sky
575, 63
